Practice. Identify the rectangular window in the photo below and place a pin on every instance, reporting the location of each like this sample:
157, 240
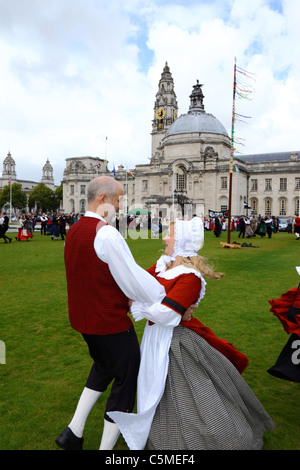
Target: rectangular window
268, 184
82, 189
223, 182
253, 185
144, 185
72, 189
283, 184
297, 183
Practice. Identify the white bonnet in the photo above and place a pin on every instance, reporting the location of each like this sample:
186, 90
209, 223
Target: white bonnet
189, 237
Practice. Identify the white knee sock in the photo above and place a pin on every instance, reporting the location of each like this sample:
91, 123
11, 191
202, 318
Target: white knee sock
86, 402
110, 435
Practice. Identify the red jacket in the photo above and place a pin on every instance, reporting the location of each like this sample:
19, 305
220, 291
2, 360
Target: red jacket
96, 303
181, 292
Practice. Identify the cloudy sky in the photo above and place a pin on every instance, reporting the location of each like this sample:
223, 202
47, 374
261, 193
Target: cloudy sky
74, 72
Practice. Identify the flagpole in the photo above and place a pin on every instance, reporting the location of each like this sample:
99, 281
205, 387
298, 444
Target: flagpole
126, 207
173, 188
231, 154
10, 199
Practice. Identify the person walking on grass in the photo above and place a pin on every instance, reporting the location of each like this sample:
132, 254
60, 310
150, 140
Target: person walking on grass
4, 227
101, 277
297, 227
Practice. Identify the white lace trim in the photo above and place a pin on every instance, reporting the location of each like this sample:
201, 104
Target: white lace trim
181, 269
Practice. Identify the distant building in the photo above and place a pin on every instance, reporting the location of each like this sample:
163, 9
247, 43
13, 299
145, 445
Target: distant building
189, 164
188, 167
9, 172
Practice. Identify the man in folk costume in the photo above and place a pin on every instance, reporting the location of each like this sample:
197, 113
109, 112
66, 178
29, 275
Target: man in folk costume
101, 276
4, 227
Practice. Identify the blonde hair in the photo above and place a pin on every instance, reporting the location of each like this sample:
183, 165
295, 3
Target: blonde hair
200, 264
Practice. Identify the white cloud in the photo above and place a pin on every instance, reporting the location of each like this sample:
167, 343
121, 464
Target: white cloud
74, 72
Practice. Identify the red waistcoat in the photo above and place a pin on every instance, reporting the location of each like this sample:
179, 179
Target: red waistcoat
96, 303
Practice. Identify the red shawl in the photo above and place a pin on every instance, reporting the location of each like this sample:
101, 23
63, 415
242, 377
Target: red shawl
289, 317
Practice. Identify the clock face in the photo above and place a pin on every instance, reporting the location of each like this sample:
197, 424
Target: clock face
160, 113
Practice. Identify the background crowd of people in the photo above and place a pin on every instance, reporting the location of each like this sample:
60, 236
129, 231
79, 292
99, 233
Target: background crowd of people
56, 225
253, 226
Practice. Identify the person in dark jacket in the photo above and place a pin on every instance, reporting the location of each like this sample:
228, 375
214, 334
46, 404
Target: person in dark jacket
242, 227
4, 227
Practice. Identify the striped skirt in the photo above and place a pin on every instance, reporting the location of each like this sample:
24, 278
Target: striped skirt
206, 405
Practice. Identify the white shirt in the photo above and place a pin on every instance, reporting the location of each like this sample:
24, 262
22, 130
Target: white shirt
111, 248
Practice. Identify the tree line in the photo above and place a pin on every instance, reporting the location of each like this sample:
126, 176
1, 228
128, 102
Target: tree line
40, 197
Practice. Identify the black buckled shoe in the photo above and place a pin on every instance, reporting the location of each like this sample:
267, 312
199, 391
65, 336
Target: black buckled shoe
68, 441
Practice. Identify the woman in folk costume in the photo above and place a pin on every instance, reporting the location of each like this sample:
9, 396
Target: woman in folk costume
23, 232
190, 394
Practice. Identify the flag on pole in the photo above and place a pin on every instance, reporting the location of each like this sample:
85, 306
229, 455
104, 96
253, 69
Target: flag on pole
129, 173
97, 165
9, 181
114, 171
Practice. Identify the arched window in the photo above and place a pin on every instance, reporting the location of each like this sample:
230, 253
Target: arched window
268, 206
296, 205
254, 205
282, 206
82, 206
180, 178
223, 203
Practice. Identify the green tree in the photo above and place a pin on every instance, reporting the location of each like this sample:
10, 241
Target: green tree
43, 197
18, 197
59, 194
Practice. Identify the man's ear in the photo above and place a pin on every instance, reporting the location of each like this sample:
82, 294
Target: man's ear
101, 198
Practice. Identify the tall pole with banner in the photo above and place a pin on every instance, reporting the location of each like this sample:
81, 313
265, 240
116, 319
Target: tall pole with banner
10, 198
231, 154
241, 93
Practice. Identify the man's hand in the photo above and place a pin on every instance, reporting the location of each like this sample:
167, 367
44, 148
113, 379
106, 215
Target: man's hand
189, 312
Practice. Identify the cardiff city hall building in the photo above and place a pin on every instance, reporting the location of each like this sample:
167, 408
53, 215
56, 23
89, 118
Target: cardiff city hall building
189, 168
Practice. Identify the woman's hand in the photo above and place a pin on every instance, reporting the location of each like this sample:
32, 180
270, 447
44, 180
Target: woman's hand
189, 312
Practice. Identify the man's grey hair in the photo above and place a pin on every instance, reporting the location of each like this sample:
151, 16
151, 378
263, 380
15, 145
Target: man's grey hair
102, 185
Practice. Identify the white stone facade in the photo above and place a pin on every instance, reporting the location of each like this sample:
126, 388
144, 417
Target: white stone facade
190, 161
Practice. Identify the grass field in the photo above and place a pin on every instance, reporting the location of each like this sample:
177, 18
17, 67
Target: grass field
47, 362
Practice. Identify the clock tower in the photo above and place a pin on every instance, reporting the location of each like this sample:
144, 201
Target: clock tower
165, 109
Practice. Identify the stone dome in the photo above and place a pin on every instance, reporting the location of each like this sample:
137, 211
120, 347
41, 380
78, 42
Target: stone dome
196, 120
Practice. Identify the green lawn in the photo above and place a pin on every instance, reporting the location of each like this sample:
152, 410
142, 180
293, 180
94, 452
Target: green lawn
47, 362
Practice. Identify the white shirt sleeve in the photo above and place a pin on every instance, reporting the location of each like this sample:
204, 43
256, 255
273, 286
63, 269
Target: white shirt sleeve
134, 281
157, 313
